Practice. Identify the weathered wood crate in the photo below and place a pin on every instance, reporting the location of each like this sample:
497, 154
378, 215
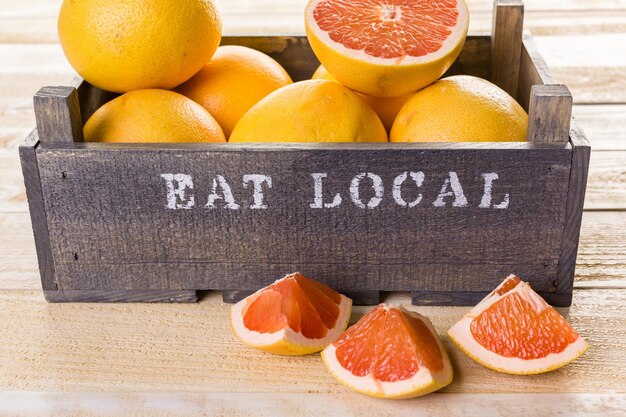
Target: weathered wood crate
144, 222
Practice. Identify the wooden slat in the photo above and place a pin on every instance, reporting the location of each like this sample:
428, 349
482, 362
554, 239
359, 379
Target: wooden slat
38, 213
506, 44
123, 348
604, 125
57, 112
183, 404
606, 188
549, 113
126, 213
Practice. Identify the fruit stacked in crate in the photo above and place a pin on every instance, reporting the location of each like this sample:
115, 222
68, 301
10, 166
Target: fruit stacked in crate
379, 78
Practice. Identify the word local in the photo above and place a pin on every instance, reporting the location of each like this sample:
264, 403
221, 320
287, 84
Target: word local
180, 191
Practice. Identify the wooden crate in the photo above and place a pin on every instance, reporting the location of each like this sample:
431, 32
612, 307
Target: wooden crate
144, 222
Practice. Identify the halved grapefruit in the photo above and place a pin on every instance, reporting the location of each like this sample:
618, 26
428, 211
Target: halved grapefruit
390, 352
386, 48
513, 330
293, 316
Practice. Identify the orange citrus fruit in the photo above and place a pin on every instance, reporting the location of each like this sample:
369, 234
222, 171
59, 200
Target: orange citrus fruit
234, 80
391, 353
461, 108
386, 48
310, 111
293, 316
513, 330
124, 45
148, 116
386, 108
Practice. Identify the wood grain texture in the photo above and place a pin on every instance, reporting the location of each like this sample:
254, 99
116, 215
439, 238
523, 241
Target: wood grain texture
533, 70
38, 214
119, 296
362, 298
606, 189
573, 216
549, 113
57, 112
112, 235
506, 44
124, 348
167, 404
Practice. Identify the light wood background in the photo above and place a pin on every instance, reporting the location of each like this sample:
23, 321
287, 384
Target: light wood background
181, 360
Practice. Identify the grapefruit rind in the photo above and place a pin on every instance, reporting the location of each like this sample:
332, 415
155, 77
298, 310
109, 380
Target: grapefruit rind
461, 335
385, 77
423, 382
286, 341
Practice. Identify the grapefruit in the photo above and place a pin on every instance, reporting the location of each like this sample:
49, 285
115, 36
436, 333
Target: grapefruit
234, 80
124, 45
386, 48
391, 353
461, 108
152, 115
310, 111
513, 330
386, 108
293, 316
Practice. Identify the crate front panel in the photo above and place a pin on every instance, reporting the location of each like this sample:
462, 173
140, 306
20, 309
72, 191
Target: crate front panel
111, 228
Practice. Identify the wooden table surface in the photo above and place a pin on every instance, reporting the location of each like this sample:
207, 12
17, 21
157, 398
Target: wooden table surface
161, 360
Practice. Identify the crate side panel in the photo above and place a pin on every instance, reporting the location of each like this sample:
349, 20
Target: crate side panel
111, 227
296, 56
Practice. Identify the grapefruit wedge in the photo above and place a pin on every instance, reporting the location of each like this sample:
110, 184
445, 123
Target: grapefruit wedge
390, 352
513, 330
386, 48
293, 316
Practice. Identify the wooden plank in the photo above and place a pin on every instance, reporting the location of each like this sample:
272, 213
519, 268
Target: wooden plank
37, 208
549, 113
173, 404
120, 296
573, 217
111, 236
506, 45
362, 298
471, 298
58, 115
533, 70
606, 189
190, 347
605, 125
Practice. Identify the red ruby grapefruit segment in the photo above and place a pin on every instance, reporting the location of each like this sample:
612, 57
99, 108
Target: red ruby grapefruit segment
386, 48
388, 29
514, 330
391, 353
294, 315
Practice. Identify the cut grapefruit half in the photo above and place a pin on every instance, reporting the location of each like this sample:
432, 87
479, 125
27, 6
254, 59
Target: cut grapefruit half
386, 48
390, 352
293, 316
513, 330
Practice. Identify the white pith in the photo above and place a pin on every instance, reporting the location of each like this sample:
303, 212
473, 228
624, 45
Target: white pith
261, 340
423, 379
462, 335
459, 31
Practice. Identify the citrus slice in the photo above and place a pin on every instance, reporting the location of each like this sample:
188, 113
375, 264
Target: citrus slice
390, 352
513, 330
293, 316
386, 48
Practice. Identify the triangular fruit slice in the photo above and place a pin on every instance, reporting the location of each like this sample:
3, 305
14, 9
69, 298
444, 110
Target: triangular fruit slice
513, 330
390, 353
293, 316
386, 48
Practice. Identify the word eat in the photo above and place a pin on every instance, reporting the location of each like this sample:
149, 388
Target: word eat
180, 191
